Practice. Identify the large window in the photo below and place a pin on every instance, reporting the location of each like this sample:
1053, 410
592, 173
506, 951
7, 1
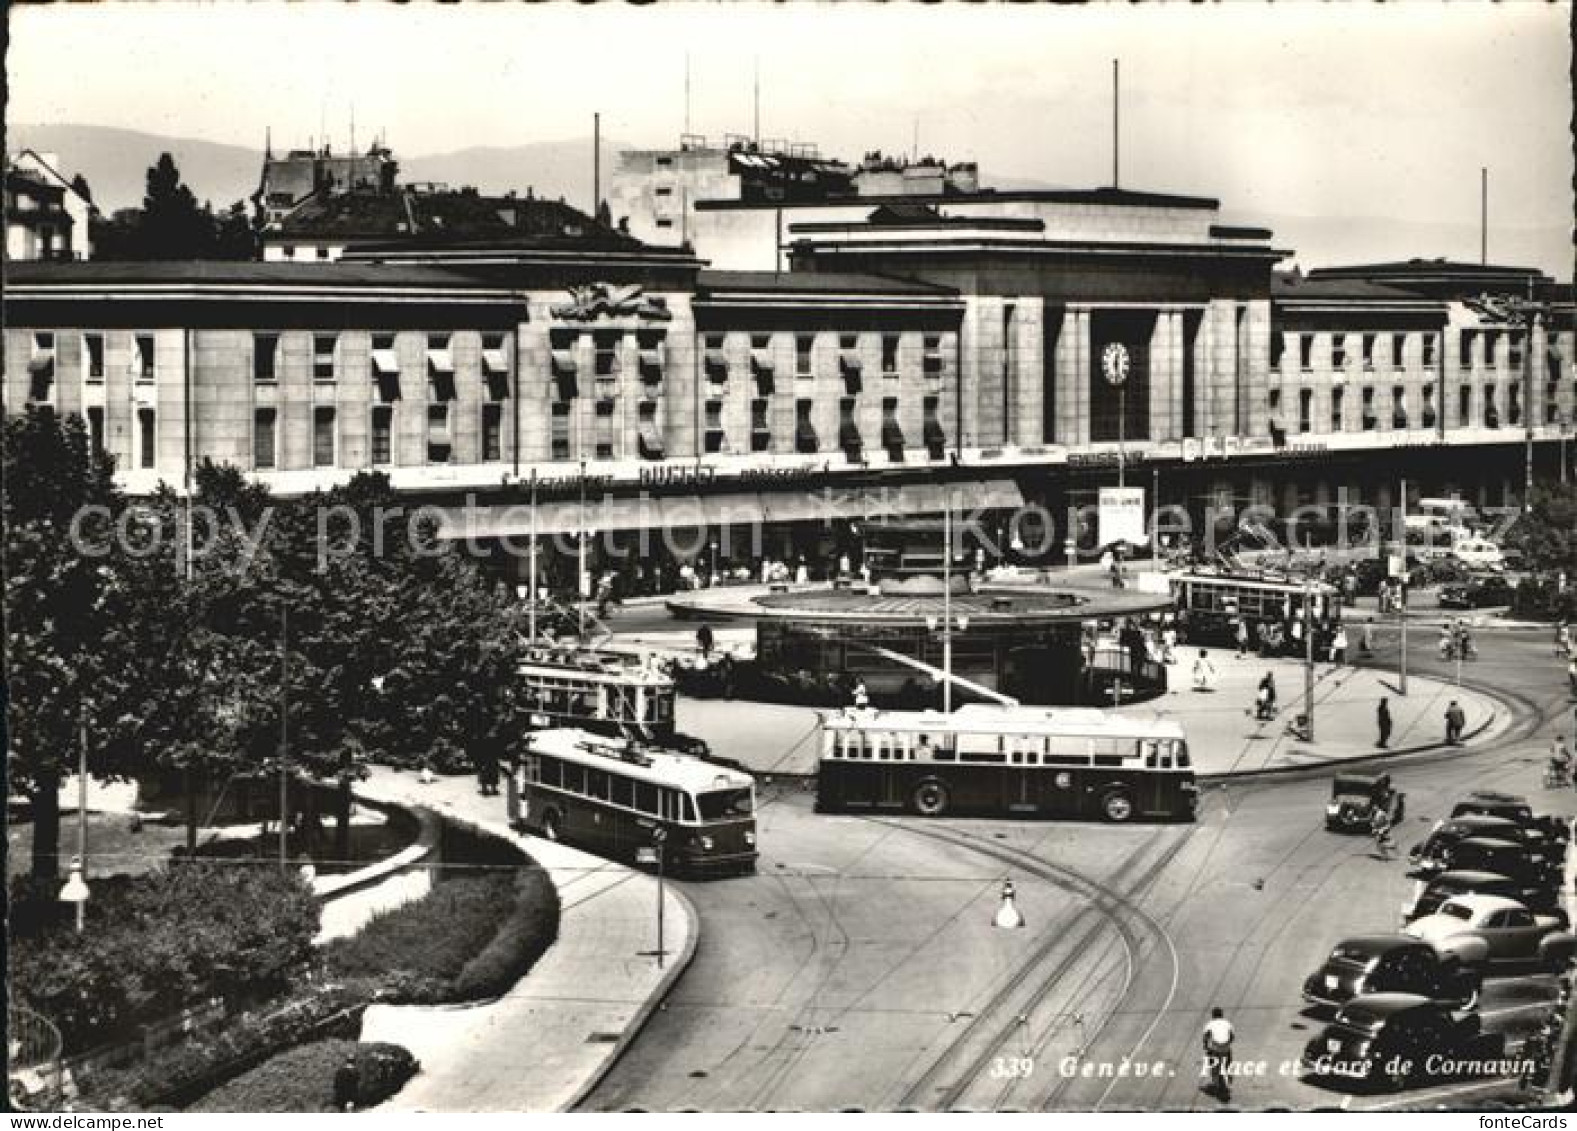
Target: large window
1338, 351
93, 349
96, 427
1338, 413
143, 363
1305, 410
264, 455
804, 347
760, 428
714, 425
323, 352
147, 437
889, 355
265, 354
439, 444
805, 439
323, 436
492, 432
382, 434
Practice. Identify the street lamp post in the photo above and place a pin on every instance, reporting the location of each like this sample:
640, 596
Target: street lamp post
1526, 315
1308, 659
75, 889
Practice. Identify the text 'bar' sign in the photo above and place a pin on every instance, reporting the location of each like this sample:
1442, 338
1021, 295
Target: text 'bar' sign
1121, 516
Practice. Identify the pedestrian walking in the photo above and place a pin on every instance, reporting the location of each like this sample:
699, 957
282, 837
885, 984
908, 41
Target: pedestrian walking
1382, 719
1456, 720
1563, 641
1169, 643
1241, 634
1571, 674
1339, 646
704, 639
802, 573
1218, 1038
1204, 673
1366, 638
862, 697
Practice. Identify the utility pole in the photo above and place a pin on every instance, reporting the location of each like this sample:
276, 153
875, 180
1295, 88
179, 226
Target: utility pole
284, 735
582, 582
531, 582
596, 164
1308, 658
1401, 604
1116, 112
947, 605
1483, 216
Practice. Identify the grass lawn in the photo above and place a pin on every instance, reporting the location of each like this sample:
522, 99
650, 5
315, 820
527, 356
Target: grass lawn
113, 849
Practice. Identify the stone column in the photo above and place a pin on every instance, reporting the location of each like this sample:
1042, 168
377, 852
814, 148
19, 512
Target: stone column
1029, 379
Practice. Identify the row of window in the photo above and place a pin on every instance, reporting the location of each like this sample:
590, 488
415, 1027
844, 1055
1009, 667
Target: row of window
439, 439
850, 362
1375, 347
1370, 417
660, 801
385, 364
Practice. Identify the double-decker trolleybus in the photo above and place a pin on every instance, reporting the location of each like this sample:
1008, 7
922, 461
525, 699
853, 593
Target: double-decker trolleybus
615, 796
1006, 761
599, 691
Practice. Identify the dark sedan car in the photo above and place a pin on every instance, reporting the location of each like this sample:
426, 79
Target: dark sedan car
1394, 1040
1511, 807
1434, 853
1372, 964
1504, 858
1543, 898
1476, 593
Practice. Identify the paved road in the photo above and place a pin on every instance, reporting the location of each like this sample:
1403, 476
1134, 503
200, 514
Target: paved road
859, 968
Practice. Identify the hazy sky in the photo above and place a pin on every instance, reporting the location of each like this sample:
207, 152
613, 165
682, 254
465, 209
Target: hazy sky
1327, 110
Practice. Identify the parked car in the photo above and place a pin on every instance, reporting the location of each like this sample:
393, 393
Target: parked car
1483, 930
1479, 553
1502, 857
1476, 593
1394, 1040
1355, 798
1511, 807
1372, 964
1430, 856
1447, 885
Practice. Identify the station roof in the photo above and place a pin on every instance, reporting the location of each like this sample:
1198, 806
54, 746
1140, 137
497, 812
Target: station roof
815, 282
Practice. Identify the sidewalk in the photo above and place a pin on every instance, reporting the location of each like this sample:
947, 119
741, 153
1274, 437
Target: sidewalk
1223, 735
546, 1042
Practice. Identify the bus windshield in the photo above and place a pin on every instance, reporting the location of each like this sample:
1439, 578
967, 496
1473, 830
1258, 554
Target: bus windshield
725, 803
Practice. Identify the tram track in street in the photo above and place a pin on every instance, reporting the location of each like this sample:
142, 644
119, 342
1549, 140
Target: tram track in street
988, 1037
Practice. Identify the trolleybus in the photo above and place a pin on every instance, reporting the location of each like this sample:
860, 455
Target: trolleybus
599, 691
1006, 761
615, 797
1210, 604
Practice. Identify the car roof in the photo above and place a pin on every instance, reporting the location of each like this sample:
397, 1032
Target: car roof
1366, 1006
1471, 876
1479, 901
1364, 782
1482, 821
1491, 844
1379, 944
1496, 797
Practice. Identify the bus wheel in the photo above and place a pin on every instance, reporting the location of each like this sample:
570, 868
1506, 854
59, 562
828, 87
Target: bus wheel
930, 799
550, 825
1117, 806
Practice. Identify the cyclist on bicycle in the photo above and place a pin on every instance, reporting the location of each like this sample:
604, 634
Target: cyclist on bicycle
1380, 827
1218, 1038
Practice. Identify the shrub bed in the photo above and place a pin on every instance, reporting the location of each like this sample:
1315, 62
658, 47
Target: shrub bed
302, 1079
157, 943
469, 938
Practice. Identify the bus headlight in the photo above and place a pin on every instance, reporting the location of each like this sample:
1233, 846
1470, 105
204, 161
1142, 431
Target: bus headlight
706, 843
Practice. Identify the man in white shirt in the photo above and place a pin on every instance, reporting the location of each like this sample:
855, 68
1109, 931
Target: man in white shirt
1218, 1038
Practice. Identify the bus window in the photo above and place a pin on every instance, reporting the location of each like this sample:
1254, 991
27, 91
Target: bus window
724, 803
597, 784
1183, 762
620, 790
574, 778
551, 772
646, 798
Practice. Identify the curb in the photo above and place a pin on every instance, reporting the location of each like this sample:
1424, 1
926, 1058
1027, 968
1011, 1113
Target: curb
653, 1000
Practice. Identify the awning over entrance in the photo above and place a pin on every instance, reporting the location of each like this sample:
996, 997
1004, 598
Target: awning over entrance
724, 509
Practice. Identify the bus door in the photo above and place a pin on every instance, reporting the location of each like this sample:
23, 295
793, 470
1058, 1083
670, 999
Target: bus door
1150, 793
890, 776
1018, 779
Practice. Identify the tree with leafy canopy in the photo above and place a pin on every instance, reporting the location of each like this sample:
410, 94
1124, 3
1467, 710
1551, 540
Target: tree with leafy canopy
173, 226
63, 671
1546, 533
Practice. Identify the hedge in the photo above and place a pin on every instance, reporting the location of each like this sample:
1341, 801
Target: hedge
156, 943
468, 939
302, 1079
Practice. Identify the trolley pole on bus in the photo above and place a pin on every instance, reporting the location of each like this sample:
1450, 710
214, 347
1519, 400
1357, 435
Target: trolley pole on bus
947, 606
